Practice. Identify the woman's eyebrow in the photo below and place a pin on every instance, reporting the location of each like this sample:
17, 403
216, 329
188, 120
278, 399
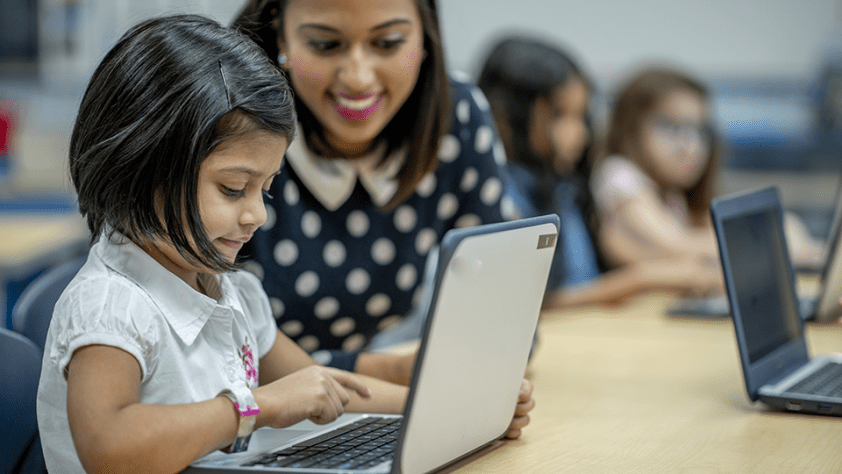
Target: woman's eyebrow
386, 24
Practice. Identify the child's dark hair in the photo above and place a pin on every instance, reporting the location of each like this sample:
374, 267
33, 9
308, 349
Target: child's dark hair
163, 98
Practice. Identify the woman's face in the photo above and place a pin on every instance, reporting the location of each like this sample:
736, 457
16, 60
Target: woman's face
559, 125
353, 63
676, 139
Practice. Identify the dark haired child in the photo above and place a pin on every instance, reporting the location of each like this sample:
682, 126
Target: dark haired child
159, 350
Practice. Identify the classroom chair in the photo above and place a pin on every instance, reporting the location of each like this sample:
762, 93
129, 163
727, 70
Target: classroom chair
33, 310
20, 445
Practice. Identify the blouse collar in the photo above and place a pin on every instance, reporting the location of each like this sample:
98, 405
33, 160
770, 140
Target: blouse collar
332, 181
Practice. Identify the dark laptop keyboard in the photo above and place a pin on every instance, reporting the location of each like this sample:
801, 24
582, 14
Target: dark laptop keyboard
360, 445
827, 382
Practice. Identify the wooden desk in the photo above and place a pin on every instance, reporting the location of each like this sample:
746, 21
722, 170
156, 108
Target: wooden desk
631, 391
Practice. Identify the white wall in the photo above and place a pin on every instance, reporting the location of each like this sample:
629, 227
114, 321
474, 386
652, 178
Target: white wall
779, 38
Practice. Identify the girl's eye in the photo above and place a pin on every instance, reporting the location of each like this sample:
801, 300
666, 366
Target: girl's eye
266, 195
233, 192
324, 46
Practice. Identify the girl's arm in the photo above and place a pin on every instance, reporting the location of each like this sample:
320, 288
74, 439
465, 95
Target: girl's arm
286, 358
643, 229
680, 275
113, 432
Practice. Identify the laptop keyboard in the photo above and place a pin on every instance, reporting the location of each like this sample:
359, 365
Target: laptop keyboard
360, 445
827, 381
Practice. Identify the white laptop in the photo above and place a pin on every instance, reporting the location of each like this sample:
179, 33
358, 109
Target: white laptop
822, 306
760, 283
490, 283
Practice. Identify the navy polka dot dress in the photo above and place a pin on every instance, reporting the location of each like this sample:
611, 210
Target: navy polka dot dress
337, 278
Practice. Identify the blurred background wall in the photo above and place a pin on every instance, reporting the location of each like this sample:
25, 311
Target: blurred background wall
763, 59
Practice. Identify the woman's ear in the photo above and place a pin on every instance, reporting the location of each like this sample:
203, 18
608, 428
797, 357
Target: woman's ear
282, 58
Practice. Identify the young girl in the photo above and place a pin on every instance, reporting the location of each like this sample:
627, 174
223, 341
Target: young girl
654, 188
540, 99
159, 351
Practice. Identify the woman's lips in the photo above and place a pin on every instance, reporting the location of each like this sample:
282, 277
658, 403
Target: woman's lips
356, 107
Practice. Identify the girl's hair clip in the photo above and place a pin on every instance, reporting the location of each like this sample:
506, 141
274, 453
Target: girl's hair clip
225, 83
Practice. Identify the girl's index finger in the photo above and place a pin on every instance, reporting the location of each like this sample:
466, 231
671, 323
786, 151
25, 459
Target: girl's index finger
351, 381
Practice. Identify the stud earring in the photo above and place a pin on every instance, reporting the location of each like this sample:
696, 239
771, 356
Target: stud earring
282, 59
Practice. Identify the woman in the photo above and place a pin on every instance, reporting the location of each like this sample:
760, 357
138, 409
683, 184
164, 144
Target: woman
389, 155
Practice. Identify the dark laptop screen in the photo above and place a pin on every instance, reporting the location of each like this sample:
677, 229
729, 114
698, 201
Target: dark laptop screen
759, 267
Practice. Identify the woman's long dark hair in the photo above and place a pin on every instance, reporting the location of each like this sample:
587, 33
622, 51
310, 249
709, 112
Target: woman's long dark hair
419, 124
163, 98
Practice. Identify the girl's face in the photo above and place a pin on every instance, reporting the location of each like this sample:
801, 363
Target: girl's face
353, 63
676, 139
559, 129
232, 183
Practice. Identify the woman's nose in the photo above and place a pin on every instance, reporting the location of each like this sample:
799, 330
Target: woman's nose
357, 70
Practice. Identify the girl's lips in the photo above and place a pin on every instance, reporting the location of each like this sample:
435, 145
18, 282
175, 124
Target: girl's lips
357, 109
234, 244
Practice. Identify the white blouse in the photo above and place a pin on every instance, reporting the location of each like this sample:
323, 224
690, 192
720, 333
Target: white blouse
189, 347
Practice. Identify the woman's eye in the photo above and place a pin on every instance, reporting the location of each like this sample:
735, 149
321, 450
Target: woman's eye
324, 46
266, 194
389, 43
233, 192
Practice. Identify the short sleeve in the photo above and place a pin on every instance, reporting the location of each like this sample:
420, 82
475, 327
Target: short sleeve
616, 181
109, 312
257, 310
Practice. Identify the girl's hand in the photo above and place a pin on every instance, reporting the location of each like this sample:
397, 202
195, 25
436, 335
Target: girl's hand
316, 393
525, 404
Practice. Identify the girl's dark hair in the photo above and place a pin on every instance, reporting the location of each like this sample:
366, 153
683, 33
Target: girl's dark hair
419, 124
517, 72
164, 97
635, 101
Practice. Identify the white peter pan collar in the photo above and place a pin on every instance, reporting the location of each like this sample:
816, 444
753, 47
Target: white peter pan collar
332, 181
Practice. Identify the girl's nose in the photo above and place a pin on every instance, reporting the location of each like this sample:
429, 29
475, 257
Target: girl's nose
255, 212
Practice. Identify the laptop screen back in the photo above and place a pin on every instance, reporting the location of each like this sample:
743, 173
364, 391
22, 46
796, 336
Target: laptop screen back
760, 283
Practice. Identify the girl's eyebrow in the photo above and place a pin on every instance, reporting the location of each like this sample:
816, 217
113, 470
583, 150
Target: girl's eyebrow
386, 24
246, 170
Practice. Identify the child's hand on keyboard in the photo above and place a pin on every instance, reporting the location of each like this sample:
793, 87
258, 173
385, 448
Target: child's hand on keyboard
316, 393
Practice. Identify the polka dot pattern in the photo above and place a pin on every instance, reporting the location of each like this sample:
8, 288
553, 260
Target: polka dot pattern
357, 223
405, 218
357, 281
271, 218
311, 224
334, 253
286, 253
337, 277
383, 251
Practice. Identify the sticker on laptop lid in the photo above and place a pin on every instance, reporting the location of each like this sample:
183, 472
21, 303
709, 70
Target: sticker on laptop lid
546, 241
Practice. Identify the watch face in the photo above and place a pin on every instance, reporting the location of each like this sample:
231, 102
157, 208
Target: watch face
239, 445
